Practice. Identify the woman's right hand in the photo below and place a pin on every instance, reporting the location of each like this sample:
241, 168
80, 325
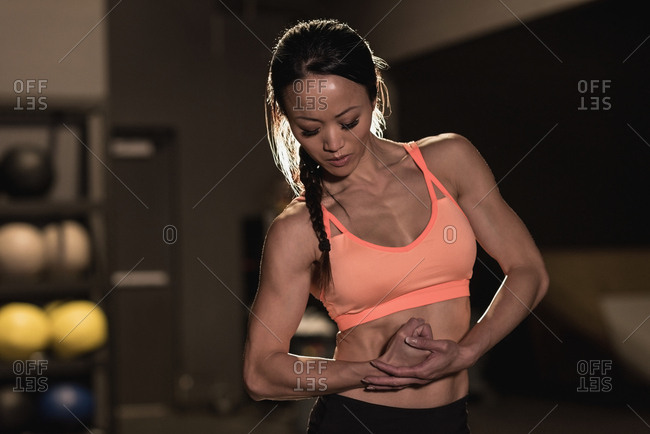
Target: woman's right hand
398, 352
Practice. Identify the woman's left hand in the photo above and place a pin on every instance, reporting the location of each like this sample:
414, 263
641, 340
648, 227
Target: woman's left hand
446, 358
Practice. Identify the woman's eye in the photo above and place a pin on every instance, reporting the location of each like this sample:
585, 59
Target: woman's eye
344, 126
309, 133
351, 124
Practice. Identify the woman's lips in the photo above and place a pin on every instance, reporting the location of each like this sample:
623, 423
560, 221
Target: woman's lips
339, 162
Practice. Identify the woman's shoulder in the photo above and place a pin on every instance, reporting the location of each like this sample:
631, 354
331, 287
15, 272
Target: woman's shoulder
451, 158
449, 153
292, 226
294, 217
446, 144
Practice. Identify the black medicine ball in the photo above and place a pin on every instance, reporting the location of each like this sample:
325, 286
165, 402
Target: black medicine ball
26, 171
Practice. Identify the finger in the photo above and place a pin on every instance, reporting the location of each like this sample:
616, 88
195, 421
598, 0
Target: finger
371, 385
424, 343
395, 371
411, 325
423, 330
382, 366
383, 388
384, 383
417, 371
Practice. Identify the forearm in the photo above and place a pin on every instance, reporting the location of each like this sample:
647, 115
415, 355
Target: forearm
520, 292
283, 376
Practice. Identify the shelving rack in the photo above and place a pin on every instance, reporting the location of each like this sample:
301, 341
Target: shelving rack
83, 132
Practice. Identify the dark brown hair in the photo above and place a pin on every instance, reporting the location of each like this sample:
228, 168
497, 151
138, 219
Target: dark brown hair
318, 47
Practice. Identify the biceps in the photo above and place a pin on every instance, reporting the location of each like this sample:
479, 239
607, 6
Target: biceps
497, 227
502, 234
277, 310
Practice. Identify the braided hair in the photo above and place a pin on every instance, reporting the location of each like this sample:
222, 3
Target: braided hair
317, 47
310, 177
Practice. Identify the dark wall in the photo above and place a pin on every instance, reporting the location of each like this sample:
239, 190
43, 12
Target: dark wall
586, 182
200, 72
572, 162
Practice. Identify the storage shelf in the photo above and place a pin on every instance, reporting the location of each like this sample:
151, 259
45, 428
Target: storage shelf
58, 369
21, 209
46, 290
81, 197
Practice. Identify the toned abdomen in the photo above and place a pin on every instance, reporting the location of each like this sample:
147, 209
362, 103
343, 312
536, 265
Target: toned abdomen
449, 320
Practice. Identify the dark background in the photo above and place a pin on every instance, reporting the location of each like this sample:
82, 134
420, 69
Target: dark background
585, 183
578, 178
190, 77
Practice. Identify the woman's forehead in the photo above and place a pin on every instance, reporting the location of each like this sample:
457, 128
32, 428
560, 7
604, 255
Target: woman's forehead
324, 93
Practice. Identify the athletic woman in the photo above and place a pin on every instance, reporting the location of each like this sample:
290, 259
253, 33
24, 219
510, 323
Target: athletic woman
384, 234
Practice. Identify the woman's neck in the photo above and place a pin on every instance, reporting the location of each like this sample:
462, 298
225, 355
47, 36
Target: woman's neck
379, 154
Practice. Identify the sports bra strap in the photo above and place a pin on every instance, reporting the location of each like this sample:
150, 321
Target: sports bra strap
414, 150
328, 218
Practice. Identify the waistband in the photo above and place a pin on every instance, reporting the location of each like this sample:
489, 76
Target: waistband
335, 414
357, 403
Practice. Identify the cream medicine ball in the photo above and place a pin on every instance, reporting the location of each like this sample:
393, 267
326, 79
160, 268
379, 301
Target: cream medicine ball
22, 251
67, 248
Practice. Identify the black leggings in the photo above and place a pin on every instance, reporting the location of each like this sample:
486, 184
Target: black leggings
339, 414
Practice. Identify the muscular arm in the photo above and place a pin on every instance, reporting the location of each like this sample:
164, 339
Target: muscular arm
504, 237
270, 371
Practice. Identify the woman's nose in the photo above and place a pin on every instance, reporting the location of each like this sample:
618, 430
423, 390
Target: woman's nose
332, 141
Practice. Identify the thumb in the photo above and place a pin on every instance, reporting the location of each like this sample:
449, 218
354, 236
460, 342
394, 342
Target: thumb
424, 343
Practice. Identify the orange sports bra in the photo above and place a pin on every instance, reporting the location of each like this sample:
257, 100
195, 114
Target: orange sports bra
371, 281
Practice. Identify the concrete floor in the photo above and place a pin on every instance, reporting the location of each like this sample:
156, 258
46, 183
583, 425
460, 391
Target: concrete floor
499, 415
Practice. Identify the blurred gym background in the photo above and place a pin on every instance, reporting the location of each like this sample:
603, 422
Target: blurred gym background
137, 183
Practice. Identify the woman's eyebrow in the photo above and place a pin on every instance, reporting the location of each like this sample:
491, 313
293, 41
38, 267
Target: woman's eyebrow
337, 116
346, 110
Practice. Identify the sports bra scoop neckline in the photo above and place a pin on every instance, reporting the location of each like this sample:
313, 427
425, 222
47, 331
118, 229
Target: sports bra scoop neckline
433, 204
